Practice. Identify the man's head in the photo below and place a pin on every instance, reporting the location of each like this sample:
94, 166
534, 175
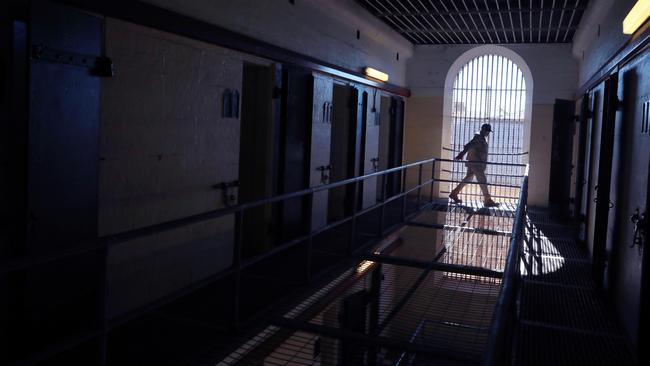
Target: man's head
486, 128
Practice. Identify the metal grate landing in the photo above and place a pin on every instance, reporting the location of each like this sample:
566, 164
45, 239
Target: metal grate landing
563, 320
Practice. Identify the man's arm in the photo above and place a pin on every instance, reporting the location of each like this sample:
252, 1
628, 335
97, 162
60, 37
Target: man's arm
465, 149
462, 153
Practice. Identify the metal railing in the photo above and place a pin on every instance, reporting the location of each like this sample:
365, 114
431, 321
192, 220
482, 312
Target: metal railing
240, 263
499, 348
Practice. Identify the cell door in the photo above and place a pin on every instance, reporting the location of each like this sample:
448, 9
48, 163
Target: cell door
581, 179
594, 156
602, 194
64, 100
395, 141
371, 154
296, 111
321, 136
586, 131
632, 197
61, 299
561, 152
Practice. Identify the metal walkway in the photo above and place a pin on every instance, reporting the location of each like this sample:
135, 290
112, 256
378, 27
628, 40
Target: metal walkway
563, 319
431, 289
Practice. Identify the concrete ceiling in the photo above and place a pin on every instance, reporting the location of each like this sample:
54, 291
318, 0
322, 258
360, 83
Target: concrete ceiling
480, 21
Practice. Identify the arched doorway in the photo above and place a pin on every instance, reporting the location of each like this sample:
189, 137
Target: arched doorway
488, 84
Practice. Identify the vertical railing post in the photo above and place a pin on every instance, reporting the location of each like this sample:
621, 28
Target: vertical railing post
310, 237
433, 179
419, 185
382, 211
237, 267
103, 313
404, 172
353, 221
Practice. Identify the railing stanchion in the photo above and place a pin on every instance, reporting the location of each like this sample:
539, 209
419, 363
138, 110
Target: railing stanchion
353, 222
419, 185
237, 266
310, 236
382, 211
403, 193
433, 179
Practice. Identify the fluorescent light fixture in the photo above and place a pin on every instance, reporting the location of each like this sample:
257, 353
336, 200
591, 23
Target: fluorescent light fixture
636, 17
373, 73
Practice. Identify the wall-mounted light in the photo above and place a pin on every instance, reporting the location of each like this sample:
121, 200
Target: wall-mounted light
373, 73
636, 17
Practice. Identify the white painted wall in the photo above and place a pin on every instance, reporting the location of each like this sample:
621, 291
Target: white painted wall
553, 69
554, 73
600, 35
164, 144
324, 29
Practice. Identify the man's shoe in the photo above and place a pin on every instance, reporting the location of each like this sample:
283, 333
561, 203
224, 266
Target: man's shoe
454, 197
491, 203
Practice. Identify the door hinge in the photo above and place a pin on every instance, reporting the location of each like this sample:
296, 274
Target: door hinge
97, 65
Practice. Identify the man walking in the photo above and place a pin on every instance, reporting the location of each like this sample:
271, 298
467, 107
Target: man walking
477, 154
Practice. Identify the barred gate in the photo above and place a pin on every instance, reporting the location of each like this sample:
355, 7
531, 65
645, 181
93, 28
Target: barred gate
489, 89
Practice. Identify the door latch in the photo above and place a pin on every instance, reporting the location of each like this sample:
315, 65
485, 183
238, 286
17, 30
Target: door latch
375, 163
638, 219
609, 205
324, 177
227, 195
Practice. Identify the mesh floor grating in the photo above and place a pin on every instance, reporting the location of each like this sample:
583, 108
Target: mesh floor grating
417, 315
541, 345
563, 320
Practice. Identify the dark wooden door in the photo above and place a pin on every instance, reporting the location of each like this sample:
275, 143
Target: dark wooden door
561, 153
395, 144
631, 187
593, 158
604, 177
581, 180
63, 129
296, 112
64, 298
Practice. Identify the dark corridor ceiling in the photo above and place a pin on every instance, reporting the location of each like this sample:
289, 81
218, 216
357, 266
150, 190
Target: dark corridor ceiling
480, 21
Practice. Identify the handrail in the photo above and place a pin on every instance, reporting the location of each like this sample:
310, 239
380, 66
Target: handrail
481, 162
500, 336
239, 263
497, 154
120, 238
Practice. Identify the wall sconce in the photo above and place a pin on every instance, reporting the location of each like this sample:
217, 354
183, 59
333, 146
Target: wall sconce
376, 74
636, 17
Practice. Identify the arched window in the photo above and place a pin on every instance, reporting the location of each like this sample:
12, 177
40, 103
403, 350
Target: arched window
490, 89
488, 84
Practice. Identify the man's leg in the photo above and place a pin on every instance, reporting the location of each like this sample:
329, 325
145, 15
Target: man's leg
487, 198
468, 178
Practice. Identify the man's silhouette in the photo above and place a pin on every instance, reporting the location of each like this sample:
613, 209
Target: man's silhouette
477, 154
